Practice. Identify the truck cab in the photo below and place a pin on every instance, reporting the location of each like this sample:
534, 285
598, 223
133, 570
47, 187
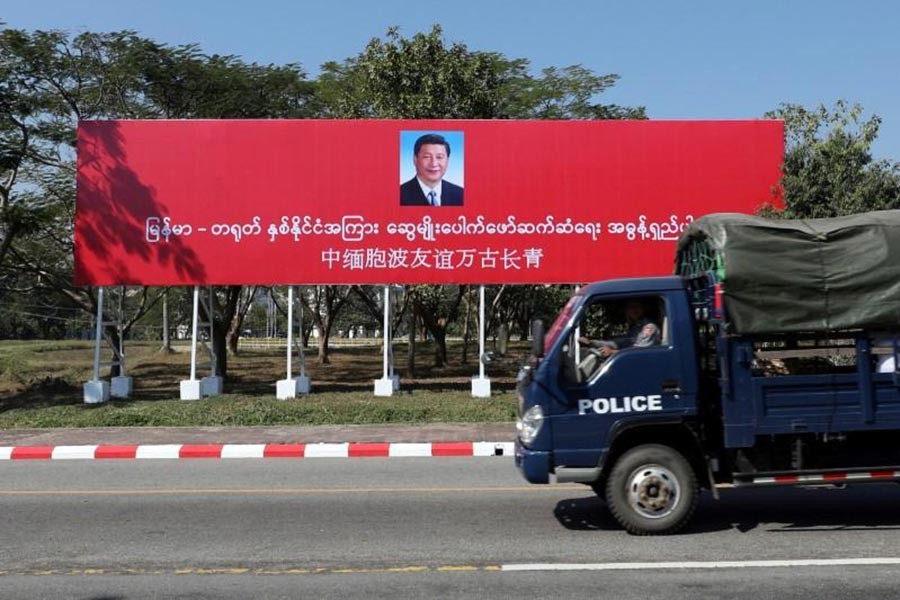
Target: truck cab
598, 391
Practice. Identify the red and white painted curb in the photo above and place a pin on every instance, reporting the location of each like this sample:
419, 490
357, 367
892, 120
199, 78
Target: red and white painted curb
175, 451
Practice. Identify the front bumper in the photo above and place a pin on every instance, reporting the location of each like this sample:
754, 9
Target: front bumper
534, 464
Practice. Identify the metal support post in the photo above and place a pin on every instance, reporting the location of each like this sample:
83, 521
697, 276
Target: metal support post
194, 318
98, 335
95, 390
290, 330
385, 385
300, 352
190, 388
481, 385
291, 386
577, 337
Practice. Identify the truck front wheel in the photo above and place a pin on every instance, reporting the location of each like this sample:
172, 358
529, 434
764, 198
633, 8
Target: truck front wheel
652, 490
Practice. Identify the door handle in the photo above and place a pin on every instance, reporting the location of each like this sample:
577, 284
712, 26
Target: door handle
671, 387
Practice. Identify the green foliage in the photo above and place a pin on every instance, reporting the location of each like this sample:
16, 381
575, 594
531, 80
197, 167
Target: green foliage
520, 304
828, 165
182, 82
236, 411
424, 77
49, 81
417, 78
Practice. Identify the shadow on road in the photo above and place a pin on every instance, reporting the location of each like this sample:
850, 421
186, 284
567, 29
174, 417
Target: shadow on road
772, 510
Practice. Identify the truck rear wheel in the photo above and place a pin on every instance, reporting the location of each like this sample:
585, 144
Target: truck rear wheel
652, 490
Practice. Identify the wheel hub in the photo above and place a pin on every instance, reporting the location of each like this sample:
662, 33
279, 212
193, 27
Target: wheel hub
653, 491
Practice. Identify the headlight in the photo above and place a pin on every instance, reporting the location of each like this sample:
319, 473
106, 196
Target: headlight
529, 424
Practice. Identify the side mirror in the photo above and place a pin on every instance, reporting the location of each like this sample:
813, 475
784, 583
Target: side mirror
537, 338
487, 358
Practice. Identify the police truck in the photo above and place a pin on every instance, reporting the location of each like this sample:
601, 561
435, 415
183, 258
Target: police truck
777, 363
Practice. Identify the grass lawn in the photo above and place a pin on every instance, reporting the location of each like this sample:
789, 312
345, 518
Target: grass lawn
41, 386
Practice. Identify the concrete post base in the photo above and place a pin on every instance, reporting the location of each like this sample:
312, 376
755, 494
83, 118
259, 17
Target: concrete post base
96, 392
384, 386
190, 389
121, 387
286, 389
211, 386
481, 387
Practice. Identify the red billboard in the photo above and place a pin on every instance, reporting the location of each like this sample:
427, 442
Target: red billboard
366, 201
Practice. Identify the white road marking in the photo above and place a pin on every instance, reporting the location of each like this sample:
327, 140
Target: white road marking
719, 564
6, 452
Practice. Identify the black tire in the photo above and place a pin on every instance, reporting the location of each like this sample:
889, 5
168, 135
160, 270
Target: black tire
652, 490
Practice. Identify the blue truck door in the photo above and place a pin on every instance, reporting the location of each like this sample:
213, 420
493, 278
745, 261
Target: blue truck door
655, 381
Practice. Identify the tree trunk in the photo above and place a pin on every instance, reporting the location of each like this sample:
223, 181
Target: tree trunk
502, 339
440, 346
111, 340
220, 348
307, 332
221, 324
231, 342
524, 328
166, 339
324, 334
411, 349
465, 348
234, 333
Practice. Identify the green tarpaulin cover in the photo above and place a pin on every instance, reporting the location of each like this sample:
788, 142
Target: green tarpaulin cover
805, 275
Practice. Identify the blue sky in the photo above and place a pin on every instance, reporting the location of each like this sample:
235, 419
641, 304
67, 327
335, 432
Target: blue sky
682, 60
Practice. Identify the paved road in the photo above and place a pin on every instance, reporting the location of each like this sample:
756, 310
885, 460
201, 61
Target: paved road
429, 527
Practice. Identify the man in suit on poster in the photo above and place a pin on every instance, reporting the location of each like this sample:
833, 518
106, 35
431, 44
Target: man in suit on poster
431, 157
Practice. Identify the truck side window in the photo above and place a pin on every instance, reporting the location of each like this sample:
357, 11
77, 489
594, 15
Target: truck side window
610, 326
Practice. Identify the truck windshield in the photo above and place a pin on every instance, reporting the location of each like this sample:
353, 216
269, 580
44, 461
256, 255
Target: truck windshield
560, 322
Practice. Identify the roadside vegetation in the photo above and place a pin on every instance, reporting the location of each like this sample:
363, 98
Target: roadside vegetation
41, 386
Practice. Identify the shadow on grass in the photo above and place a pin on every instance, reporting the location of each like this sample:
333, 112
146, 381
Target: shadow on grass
156, 375
43, 394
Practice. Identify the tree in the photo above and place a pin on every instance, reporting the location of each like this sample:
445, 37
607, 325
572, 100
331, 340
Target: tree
236, 324
50, 81
517, 306
324, 303
423, 77
370, 299
828, 165
438, 307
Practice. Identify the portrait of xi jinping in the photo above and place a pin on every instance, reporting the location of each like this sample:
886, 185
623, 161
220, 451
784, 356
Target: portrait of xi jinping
431, 159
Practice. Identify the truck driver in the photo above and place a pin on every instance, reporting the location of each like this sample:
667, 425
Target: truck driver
642, 331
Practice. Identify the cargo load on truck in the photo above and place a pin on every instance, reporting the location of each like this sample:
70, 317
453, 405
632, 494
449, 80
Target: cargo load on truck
803, 275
